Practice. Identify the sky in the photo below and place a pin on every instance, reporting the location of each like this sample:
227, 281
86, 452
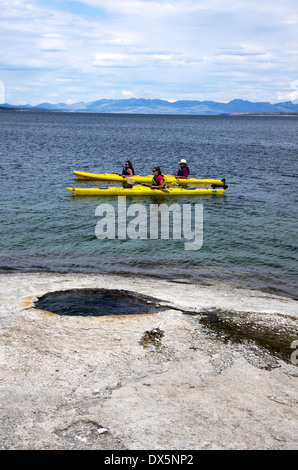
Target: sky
69, 51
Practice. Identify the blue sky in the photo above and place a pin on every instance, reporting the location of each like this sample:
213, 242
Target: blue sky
70, 51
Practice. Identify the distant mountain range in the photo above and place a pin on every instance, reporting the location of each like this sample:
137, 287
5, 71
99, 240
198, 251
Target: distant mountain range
147, 106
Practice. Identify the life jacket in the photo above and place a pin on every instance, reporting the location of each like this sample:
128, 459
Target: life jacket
125, 172
154, 182
180, 171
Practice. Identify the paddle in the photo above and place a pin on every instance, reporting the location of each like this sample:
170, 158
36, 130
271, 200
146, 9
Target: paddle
133, 183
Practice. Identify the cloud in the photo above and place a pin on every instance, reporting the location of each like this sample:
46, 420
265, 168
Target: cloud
52, 42
129, 60
2, 92
196, 49
142, 7
289, 95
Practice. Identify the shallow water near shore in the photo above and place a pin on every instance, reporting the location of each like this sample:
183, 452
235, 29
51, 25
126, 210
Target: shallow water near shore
249, 234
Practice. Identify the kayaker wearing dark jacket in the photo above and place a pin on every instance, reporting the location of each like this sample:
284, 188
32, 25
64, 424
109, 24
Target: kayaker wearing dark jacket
183, 171
128, 170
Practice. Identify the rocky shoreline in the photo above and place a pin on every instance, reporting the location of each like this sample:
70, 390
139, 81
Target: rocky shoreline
211, 370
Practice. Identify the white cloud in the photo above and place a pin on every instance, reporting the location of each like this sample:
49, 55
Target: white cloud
2, 92
141, 7
51, 42
289, 95
197, 49
129, 60
127, 94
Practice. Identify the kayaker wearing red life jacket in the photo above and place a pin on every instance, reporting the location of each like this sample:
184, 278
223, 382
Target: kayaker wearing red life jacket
183, 171
158, 180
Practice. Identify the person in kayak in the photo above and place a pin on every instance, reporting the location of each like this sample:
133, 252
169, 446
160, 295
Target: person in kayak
128, 170
183, 171
158, 180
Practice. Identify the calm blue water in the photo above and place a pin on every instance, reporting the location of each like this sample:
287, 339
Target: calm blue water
250, 233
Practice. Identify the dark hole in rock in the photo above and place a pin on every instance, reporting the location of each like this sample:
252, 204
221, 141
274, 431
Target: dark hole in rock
97, 302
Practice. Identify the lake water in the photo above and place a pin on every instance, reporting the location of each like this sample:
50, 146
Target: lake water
249, 234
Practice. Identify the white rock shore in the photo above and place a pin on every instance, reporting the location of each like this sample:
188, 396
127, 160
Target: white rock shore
92, 383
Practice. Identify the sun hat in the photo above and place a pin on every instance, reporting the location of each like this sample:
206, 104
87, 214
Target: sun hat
182, 161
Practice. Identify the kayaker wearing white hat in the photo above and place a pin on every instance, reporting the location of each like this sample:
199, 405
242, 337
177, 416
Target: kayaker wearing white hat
183, 171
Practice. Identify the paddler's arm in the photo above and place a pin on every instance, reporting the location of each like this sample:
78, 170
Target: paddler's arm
161, 185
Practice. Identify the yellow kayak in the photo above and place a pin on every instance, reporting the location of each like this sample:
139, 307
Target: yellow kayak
139, 190
82, 175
